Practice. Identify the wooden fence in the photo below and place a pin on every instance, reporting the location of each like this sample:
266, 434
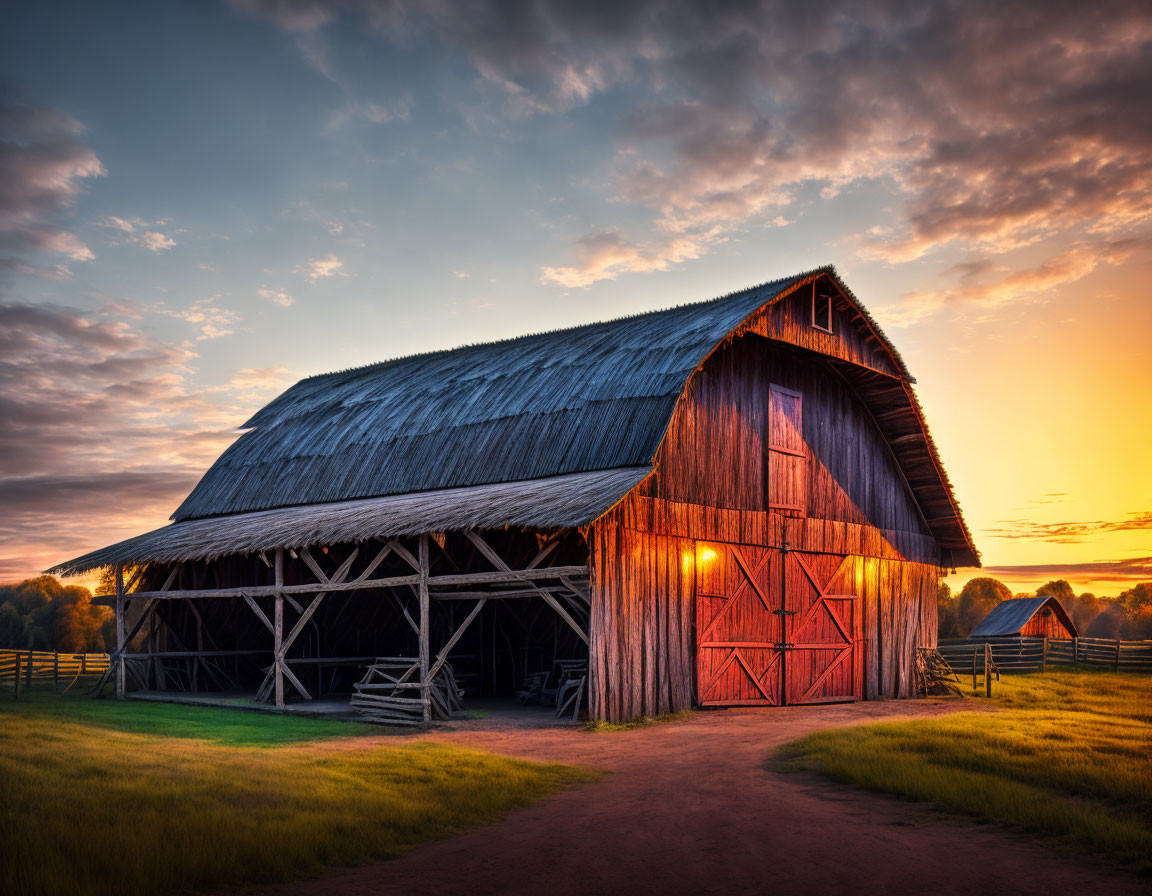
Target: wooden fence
1038, 653
23, 670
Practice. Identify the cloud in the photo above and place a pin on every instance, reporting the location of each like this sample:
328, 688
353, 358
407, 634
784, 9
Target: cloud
1122, 572
316, 268
1069, 533
212, 320
105, 430
1000, 126
374, 113
279, 296
134, 232
263, 381
603, 256
43, 167
985, 282
299, 16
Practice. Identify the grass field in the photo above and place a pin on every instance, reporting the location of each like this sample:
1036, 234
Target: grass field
1068, 756
108, 797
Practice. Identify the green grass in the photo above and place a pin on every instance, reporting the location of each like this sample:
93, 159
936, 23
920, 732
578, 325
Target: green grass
103, 797
643, 722
229, 727
1068, 756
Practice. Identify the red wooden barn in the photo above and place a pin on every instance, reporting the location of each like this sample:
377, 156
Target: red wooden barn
1028, 617
733, 502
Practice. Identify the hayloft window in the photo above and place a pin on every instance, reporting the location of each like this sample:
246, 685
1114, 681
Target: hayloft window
787, 457
821, 309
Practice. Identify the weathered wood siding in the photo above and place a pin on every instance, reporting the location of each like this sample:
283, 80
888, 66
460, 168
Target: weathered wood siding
851, 339
717, 449
1045, 622
714, 482
642, 588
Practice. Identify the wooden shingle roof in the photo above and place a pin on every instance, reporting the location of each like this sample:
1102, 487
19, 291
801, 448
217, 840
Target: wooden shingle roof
539, 409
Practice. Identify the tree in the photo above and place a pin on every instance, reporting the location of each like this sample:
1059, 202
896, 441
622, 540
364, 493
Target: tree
43, 614
945, 612
1086, 609
13, 633
976, 600
1062, 591
1109, 622
1139, 626
1135, 599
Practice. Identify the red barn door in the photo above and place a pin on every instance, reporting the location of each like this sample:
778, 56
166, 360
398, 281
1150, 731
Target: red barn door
824, 661
775, 628
738, 660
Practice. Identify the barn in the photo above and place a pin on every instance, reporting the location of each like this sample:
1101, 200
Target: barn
1027, 617
731, 502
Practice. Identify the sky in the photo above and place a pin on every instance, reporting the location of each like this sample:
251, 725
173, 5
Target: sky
202, 202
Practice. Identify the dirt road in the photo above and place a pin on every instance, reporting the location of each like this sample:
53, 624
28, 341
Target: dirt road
689, 807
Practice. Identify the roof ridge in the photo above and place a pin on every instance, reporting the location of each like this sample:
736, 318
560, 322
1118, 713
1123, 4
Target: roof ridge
375, 365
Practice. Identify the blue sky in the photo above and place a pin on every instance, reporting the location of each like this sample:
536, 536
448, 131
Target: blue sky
202, 202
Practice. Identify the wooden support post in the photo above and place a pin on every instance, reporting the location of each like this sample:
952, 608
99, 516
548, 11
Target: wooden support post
1075, 653
121, 639
425, 684
56, 672
987, 670
1044, 654
975, 650
1117, 654
16, 680
278, 635
28, 671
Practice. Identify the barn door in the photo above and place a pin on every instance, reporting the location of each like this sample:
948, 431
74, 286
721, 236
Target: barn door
823, 660
738, 625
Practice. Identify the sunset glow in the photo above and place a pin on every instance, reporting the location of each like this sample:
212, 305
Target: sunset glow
202, 203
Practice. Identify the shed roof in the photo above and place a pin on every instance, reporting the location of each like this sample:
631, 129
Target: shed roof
594, 398
559, 502
1010, 616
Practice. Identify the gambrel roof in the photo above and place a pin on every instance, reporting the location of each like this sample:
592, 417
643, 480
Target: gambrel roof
538, 409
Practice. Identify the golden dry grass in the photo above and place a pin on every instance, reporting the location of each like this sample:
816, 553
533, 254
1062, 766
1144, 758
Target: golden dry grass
1068, 757
87, 807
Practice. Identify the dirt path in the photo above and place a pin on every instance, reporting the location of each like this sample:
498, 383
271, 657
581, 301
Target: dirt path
689, 808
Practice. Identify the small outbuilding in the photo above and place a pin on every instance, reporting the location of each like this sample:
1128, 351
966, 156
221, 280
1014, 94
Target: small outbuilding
732, 502
1027, 617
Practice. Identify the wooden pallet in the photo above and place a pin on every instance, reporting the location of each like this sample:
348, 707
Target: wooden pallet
390, 693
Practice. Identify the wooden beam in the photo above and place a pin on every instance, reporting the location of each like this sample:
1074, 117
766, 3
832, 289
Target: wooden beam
474, 578
121, 636
251, 601
306, 556
442, 656
403, 552
425, 609
498, 562
376, 561
135, 578
278, 635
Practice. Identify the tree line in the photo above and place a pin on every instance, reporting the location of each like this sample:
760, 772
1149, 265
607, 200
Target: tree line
44, 614
1127, 616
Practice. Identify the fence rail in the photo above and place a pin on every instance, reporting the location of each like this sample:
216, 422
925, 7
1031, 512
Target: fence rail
1037, 653
22, 670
